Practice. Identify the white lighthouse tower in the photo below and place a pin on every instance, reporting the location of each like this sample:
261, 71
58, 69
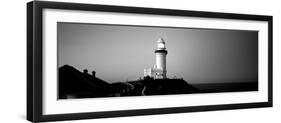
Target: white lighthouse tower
159, 71
161, 53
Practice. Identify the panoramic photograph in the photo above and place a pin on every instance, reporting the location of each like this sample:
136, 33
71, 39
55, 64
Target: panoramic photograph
107, 60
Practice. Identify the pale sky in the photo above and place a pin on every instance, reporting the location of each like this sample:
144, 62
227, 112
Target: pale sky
119, 53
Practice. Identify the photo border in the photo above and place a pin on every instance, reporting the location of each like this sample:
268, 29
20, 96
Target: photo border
35, 60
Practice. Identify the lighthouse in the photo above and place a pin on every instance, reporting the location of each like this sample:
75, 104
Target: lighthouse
160, 54
159, 71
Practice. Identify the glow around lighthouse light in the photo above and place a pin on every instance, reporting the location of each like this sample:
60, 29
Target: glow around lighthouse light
161, 46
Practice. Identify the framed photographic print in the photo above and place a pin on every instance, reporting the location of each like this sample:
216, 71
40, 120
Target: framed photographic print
96, 61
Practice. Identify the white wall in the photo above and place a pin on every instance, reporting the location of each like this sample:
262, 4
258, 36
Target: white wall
13, 61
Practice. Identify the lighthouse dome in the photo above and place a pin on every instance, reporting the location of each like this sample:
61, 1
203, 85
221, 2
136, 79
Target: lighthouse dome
161, 40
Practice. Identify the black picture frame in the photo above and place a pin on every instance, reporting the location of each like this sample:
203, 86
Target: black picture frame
34, 60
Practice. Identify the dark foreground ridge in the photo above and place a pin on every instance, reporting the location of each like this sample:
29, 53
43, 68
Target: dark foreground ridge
76, 84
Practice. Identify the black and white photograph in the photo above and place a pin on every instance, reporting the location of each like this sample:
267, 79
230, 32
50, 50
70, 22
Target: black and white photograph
88, 61
109, 60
